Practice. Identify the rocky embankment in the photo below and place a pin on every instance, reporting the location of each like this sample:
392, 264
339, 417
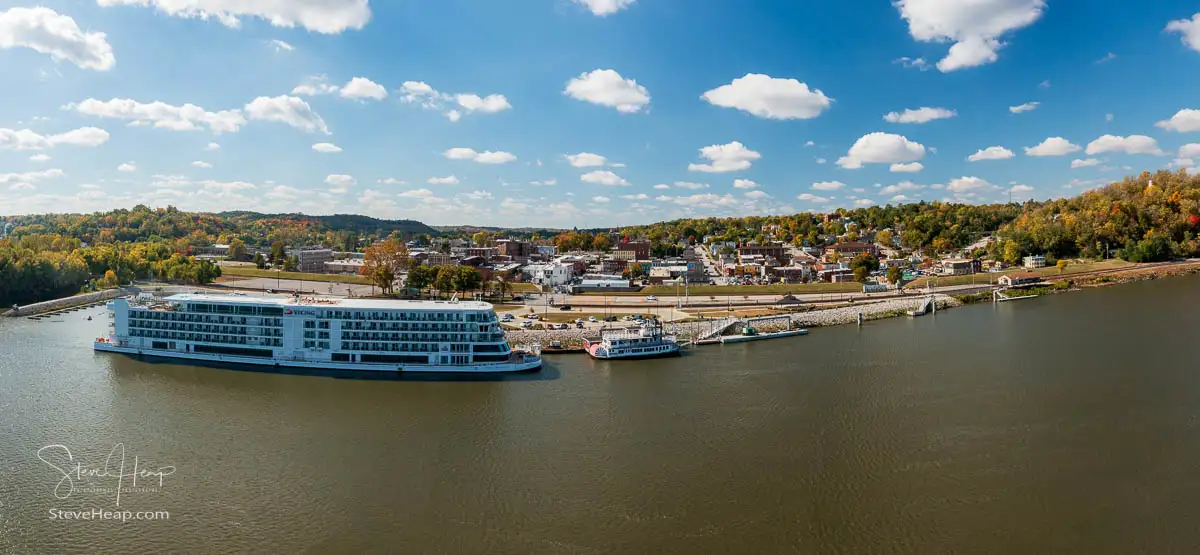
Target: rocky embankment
848, 314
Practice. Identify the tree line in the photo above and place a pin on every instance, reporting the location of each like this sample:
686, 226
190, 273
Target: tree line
36, 268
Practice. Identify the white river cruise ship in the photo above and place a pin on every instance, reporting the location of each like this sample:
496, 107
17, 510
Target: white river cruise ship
317, 333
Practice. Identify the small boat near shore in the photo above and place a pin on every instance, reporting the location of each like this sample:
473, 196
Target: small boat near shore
751, 334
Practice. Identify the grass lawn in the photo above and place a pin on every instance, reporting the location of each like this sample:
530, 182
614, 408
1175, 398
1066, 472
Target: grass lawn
328, 278
722, 291
985, 278
524, 287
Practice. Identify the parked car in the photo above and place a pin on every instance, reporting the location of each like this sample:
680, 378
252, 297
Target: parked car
591, 318
579, 325
527, 324
507, 318
532, 316
518, 298
565, 307
652, 299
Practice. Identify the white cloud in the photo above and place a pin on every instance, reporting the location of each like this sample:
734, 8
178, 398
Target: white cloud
820, 160
864, 202
744, 184
448, 180
188, 117
702, 200
127, 167
315, 85
967, 185
1053, 146
545, 183
340, 180
662, 186
607, 88
901, 187
25, 139
286, 109
1026, 107
1189, 29
201, 164
1184, 121
881, 148
28, 178
920, 115
605, 7
730, 157
1108, 117
975, 27
907, 168
321, 16
913, 63
639, 196
1133, 144
809, 197
487, 157
48, 32
991, 153
684, 185
756, 195
212, 146
1191, 150
419, 92
770, 97
1044, 84
1107, 58
327, 148
391, 181
1084, 163
600, 199
899, 198
477, 195
603, 177
489, 104
586, 160
280, 46
828, 185
417, 193
1021, 189
39, 158
361, 88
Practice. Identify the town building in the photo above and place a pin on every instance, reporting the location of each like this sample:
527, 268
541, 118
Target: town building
961, 266
754, 253
486, 252
211, 251
552, 274
633, 250
312, 260
517, 251
348, 266
1035, 261
1018, 280
852, 249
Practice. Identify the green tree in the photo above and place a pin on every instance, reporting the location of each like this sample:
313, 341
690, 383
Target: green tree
481, 239
291, 264
383, 261
1062, 265
861, 273
421, 277
601, 242
259, 261
885, 238
237, 249
1012, 252
278, 252
895, 275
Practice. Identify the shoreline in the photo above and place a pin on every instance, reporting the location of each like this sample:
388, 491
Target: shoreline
886, 308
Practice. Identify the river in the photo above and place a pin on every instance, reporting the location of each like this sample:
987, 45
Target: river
1063, 424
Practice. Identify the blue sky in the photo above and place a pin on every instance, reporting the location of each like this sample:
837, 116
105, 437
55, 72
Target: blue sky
584, 112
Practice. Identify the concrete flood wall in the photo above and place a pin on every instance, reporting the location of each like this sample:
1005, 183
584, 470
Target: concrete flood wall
66, 302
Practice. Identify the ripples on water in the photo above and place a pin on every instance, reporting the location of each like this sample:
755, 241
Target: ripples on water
1063, 424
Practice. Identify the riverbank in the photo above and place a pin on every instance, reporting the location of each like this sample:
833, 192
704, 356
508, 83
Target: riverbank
1069, 283
845, 314
64, 303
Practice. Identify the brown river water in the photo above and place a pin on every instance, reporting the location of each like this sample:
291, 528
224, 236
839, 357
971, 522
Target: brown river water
1063, 424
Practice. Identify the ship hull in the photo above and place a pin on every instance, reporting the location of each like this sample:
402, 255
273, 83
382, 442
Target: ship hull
594, 348
529, 365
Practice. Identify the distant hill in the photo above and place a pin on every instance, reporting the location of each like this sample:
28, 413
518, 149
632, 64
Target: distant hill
363, 225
